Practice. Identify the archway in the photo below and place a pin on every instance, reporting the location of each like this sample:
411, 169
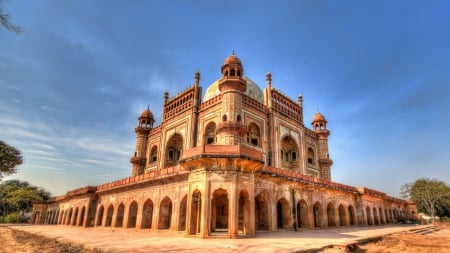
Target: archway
351, 216
342, 216
75, 217
101, 209
182, 214
331, 215
244, 213
210, 133
369, 216
289, 153
380, 213
386, 216
37, 217
196, 206
261, 213
283, 214
375, 217
302, 214
219, 211
109, 216
69, 217
132, 215
81, 219
318, 213
147, 214
119, 216
165, 213
173, 150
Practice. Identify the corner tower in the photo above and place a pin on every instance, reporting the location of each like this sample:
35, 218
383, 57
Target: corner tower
145, 124
232, 86
319, 124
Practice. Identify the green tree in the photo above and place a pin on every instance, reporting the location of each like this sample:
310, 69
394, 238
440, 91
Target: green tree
18, 196
10, 159
430, 195
5, 20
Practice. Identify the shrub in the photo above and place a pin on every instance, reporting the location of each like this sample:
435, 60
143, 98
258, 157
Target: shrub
15, 218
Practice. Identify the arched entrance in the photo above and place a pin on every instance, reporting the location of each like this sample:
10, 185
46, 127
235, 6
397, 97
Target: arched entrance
302, 214
375, 217
244, 213
261, 213
318, 215
173, 150
69, 217
132, 215
369, 216
351, 216
331, 215
182, 214
283, 214
101, 209
196, 207
119, 217
147, 214
37, 217
165, 213
380, 212
342, 216
81, 219
74, 218
219, 211
109, 216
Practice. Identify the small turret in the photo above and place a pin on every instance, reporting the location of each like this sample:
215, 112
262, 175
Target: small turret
145, 124
319, 124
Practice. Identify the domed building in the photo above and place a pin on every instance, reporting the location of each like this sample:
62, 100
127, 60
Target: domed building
233, 162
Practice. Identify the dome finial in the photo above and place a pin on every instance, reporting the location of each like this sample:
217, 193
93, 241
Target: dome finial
232, 52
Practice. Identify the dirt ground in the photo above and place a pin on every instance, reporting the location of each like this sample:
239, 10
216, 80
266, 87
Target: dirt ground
15, 241
436, 242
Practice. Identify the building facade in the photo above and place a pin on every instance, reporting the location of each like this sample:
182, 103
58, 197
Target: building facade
236, 161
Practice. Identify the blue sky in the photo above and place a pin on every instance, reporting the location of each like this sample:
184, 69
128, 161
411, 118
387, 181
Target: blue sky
73, 83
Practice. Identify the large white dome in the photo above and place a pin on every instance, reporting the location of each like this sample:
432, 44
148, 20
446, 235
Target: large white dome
252, 91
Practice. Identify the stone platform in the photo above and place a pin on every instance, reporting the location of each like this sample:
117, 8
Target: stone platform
133, 240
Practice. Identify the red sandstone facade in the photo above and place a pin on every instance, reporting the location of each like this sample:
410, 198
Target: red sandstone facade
238, 161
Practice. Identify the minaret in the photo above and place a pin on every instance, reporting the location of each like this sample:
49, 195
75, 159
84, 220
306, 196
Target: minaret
319, 124
232, 86
145, 124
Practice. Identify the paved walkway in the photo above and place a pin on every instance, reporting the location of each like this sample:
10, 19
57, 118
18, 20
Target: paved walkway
133, 240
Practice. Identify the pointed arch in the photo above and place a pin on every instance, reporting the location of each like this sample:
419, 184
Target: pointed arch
289, 153
375, 217
132, 214
173, 150
100, 211
153, 154
283, 214
331, 215
37, 217
351, 215
182, 214
81, 219
165, 213
244, 213
254, 135
109, 215
318, 215
369, 216
311, 159
342, 216
210, 133
196, 206
75, 217
261, 213
302, 214
219, 210
147, 214
119, 215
